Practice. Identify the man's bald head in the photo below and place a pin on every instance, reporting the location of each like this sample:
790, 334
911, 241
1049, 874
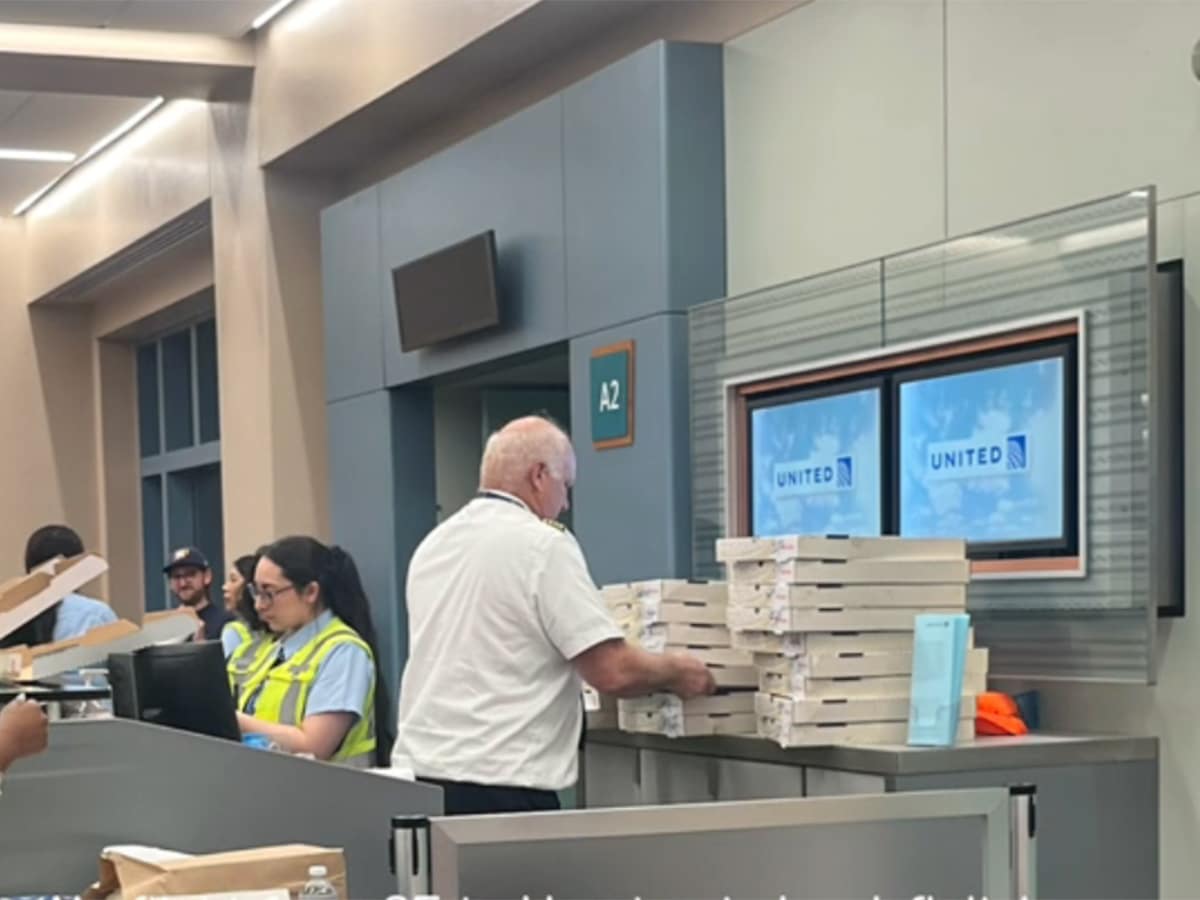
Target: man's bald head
530, 458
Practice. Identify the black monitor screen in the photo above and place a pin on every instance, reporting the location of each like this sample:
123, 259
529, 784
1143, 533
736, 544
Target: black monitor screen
447, 294
182, 686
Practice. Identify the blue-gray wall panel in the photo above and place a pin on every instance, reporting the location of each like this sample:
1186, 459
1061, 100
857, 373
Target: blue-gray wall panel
414, 488
353, 304
615, 219
507, 178
369, 470
695, 174
632, 504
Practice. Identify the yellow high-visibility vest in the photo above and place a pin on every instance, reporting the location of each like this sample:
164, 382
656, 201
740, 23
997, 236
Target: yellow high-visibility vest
285, 688
255, 652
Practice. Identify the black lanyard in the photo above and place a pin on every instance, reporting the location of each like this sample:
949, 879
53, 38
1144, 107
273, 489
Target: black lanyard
503, 498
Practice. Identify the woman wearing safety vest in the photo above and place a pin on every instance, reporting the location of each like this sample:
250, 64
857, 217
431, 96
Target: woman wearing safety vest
247, 641
321, 692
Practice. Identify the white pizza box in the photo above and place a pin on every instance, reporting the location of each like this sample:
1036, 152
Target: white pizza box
689, 613
677, 634
785, 681
788, 619
857, 571
849, 664
664, 723
850, 709
874, 571
836, 547
716, 704
28, 596
852, 733
680, 589
793, 643
92, 649
875, 596
715, 656
734, 676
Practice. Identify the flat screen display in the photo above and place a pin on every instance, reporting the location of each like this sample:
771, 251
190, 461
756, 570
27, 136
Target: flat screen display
447, 294
815, 464
983, 453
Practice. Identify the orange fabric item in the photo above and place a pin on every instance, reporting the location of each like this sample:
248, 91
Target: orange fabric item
997, 713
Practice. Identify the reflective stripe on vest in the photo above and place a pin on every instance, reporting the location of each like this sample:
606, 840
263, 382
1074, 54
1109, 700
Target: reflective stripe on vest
251, 656
284, 690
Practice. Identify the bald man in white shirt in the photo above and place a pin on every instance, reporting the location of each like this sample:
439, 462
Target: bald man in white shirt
504, 622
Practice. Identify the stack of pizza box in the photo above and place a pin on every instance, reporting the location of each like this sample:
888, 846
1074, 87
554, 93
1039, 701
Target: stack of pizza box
686, 616
830, 624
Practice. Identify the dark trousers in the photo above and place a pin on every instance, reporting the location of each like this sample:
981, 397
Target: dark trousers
463, 798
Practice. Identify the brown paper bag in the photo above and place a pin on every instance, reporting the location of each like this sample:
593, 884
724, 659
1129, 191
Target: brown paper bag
133, 875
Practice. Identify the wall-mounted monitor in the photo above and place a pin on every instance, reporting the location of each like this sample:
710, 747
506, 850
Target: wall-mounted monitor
815, 461
447, 294
987, 449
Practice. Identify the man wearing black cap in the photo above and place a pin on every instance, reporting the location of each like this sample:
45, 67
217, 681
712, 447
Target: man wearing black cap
190, 578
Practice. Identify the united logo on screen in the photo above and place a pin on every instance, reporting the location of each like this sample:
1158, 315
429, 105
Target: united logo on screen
809, 477
845, 472
1018, 457
975, 458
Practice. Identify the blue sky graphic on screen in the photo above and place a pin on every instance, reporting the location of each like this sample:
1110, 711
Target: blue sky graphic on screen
981, 454
815, 466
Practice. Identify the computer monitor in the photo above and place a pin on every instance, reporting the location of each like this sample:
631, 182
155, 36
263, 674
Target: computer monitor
815, 461
182, 686
987, 451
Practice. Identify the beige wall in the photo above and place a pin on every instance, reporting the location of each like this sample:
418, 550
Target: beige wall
49, 455
266, 258
306, 86
144, 182
859, 128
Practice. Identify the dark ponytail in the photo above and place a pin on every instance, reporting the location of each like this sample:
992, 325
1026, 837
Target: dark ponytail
304, 560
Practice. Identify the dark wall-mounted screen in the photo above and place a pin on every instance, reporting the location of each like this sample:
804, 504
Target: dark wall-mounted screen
447, 294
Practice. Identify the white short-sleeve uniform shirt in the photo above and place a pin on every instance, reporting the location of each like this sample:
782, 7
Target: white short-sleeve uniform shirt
499, 603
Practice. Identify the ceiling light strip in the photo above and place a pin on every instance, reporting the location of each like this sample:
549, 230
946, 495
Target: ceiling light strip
97, 148
269, 13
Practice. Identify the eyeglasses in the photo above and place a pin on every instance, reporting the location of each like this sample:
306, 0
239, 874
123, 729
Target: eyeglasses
268, 595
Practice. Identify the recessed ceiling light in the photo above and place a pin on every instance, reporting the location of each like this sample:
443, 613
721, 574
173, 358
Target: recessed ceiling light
270, 12
17, 155
105, 142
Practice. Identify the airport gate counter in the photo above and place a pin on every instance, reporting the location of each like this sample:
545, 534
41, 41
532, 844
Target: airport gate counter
1097, 796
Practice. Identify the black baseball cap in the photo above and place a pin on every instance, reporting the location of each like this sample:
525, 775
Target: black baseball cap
186, 556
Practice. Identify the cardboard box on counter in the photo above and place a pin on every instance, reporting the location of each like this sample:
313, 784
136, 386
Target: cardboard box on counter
785, 681
91, 649
26, 597
837, 548
856, 709
874, 596
130, 872
785, 734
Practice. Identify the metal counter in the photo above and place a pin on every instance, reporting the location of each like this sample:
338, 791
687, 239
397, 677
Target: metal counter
1097, 795
891, 760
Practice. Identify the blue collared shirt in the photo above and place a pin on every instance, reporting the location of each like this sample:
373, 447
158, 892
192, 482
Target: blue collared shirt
344, 677
231, 639
77, 615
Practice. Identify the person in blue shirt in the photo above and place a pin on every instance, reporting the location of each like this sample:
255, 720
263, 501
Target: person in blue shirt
321, 692
76, 614
239, 601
